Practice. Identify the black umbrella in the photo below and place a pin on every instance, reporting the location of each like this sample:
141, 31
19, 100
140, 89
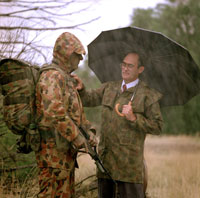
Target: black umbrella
169, 67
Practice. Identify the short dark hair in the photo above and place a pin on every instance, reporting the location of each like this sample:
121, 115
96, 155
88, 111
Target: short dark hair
140, 57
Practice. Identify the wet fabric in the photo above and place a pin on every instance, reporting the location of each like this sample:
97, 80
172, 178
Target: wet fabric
59, 114
121, 144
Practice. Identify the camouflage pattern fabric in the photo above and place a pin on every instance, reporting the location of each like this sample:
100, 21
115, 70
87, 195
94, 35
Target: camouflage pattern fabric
60, 113
17, 79
56, 183
122, 141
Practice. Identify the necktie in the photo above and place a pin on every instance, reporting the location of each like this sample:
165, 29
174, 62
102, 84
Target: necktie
124, 87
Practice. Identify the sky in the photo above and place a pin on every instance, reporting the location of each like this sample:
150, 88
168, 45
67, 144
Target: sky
113, 14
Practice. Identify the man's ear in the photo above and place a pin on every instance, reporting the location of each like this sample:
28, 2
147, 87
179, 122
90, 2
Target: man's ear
141, 69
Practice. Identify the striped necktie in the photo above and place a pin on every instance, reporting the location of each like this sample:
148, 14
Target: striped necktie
124, 87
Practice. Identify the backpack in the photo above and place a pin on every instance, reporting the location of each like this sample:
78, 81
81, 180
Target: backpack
18, 80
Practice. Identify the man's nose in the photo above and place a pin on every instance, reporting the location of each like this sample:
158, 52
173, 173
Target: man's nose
126, 68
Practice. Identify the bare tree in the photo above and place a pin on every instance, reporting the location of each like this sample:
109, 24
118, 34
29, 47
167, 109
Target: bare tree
24, 24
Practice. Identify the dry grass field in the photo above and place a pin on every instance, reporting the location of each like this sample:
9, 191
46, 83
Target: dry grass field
173, 169
173, 166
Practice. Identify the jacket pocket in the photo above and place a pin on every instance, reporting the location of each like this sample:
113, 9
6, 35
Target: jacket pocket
126, 137
109, 98
62, 145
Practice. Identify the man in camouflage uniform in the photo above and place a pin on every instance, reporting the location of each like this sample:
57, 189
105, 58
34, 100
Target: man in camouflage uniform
122, 137
60, 114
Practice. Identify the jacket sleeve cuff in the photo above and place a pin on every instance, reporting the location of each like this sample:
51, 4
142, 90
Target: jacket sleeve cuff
134, 123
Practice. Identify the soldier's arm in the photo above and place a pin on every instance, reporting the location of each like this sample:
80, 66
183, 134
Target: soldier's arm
90, 130
51, 88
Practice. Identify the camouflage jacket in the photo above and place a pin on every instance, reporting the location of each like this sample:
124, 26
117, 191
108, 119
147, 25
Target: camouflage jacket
122, 141
59, 111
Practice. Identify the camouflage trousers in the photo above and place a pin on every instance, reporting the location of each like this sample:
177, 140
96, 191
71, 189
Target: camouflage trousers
56, 183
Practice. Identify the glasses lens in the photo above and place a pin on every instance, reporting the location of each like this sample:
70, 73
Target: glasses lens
122, 65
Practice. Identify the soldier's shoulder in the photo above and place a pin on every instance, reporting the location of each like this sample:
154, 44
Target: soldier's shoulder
152, 94
52, 68
51, 71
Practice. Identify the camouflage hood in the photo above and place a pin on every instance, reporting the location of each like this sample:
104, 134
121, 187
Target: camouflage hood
64, 46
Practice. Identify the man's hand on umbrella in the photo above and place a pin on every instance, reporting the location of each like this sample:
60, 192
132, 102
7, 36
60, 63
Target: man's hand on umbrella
79, 84
128, 112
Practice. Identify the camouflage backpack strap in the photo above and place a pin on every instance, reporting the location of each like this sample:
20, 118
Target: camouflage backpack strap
32, 138
46, 67
69, 81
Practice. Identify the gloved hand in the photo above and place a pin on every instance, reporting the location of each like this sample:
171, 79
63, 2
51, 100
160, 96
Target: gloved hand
80, 142
93, 140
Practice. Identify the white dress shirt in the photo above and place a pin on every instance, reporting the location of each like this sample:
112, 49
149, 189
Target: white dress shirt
131, 84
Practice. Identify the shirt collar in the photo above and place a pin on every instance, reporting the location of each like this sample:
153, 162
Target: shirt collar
131, 84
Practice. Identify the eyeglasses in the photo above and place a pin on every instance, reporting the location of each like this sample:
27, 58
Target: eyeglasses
128, 66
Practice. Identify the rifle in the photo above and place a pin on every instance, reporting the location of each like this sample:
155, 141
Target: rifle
94, 155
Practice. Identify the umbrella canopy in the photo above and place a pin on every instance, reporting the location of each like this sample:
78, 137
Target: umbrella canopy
169, 67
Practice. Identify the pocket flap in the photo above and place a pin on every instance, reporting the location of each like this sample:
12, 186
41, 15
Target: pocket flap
109, 98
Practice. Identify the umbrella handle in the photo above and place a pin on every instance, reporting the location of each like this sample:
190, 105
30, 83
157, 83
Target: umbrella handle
117, 109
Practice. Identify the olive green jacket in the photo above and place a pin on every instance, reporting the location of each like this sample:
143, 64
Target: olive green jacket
122, 141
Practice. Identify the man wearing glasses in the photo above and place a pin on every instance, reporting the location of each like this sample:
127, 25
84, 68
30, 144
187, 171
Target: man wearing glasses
130, 110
